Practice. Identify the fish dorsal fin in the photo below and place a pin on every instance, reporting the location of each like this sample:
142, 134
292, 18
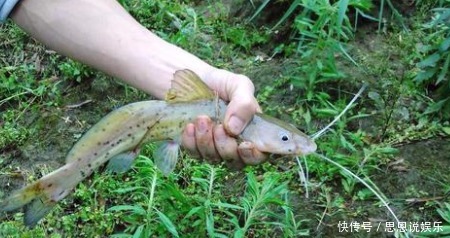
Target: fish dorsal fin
186, 87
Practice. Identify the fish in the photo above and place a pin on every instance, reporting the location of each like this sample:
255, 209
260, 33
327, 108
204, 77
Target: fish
118, 136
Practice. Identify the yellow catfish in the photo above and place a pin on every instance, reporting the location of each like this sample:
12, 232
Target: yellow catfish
118, 136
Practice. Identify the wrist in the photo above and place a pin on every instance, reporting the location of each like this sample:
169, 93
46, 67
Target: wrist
151, 63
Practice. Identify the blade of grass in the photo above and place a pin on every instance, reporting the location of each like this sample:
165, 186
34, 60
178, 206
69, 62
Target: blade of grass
385, 203
260, 8
318, 134
303, 177
380, 15
291, 9
167, 223
347, 55
342, 9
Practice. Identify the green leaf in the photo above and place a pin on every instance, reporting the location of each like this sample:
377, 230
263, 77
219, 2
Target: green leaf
347, 184
387, 150
191, 12
358, 116
121, 236
260, 8
376, 97
364, 194
429, 61
445, 212
175, 192
210, 223
342, 9
425, 75
130, 189
444, 45
346, 144
167, 223
307, 117
227, 205
239, 233
446, 130
193, 211
444, 70
442, 16
218, 235
326, 111
435, 107
134, 208
138, 232
363, 5
291, 9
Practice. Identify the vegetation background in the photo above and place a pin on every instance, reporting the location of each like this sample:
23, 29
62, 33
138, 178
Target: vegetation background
307, 59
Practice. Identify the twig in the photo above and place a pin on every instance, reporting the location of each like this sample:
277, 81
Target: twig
78, 105
420, 200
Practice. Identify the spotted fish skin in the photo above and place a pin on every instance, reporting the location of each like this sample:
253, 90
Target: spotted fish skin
135, 124
126, 129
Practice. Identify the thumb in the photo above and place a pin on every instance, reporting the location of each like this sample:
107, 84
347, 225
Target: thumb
238, 89
239, 113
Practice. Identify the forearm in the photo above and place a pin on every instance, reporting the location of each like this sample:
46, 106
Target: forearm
103, 35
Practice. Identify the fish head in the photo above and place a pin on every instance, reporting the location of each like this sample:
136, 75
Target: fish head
274, 136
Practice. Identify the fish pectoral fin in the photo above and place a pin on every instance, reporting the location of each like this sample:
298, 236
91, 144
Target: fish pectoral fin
166, 156
36, 210
121, 163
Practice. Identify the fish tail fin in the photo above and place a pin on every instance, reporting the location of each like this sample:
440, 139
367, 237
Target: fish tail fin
36, 210
39, 198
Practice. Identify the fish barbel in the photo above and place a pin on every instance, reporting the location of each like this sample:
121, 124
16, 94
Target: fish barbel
118, 136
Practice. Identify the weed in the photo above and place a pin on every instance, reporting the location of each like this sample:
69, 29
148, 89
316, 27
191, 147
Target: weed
200, 211
242, 37
319, 29
436, 60
74, 70
443, 226
292, 224
12, 135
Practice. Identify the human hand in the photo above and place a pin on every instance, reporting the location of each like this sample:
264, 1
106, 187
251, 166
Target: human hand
215, 143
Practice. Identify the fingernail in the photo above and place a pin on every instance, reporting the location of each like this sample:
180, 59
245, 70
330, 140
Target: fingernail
235, 125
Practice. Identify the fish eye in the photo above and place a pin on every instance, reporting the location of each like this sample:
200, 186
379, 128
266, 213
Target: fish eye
284, 136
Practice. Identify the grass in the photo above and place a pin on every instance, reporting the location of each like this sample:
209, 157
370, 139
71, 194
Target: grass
308, 78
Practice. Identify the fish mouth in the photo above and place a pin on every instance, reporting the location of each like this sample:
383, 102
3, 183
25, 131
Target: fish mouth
307, 149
